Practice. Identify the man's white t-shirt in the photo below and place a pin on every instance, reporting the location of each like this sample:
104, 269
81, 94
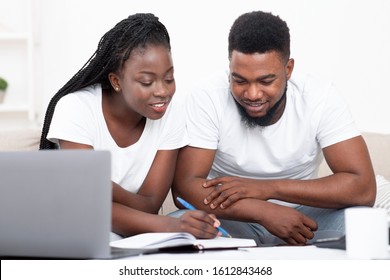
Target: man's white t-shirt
315, 117
78, 117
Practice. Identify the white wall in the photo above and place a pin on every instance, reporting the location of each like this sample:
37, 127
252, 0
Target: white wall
347, 41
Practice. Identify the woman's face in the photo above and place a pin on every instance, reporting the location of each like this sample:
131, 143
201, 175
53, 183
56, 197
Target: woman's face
146, 81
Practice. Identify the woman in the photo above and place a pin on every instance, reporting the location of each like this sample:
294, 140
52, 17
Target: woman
120, 101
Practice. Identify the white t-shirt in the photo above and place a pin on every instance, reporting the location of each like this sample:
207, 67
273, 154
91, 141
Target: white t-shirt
315, 117
78, 117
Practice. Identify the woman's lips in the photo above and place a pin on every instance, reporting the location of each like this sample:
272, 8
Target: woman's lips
160, 107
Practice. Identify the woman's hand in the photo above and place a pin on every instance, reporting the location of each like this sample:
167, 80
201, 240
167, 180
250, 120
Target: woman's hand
228, 190
198, 223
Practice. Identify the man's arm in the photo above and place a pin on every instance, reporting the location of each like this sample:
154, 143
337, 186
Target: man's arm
193, 166
352, 184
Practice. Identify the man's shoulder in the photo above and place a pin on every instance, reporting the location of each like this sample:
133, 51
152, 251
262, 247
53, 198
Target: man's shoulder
217, 81
309, 84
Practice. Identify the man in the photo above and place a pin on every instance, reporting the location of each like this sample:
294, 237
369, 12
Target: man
257, 138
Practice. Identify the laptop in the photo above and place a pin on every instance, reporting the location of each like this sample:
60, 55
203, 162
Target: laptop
56, 204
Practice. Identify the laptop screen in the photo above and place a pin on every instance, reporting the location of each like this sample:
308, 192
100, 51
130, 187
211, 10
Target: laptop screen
55, 204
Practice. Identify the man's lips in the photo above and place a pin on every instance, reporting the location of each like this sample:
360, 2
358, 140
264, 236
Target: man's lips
255, 106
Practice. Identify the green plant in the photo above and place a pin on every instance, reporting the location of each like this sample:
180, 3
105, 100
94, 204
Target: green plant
3, 84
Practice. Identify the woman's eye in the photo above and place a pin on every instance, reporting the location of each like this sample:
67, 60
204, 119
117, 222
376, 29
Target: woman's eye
146, 84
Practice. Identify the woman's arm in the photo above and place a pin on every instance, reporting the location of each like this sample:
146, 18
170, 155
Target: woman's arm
155, 187
135, 213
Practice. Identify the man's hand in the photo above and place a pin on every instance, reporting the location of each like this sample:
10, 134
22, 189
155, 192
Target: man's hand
228, 190
288, 224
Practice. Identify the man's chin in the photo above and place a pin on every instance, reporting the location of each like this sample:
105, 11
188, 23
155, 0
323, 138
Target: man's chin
255, 115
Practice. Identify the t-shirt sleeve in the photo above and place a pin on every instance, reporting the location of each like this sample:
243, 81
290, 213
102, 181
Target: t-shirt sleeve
174, 134
336, 123
71, 121
202, 119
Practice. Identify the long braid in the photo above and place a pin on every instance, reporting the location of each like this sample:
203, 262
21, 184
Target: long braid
113, 50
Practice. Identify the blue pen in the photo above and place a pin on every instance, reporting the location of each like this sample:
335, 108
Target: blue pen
191, 207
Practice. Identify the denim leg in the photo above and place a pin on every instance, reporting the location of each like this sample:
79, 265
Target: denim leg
240, 229
330, 224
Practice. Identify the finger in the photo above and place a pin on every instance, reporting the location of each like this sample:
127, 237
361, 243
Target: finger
220, 200
210, 197
310, 223
230, 200
217, 223
300, 239
307, 233
217, 202
204, 217
214, 194
290, 241
214, 182
202, 224
297, 239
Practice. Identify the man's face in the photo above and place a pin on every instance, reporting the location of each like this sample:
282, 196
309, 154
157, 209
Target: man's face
258, 83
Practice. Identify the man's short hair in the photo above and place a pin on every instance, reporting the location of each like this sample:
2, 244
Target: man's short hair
259, 32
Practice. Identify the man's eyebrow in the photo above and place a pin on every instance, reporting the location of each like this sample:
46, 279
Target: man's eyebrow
235, 75
263, 77
268, 76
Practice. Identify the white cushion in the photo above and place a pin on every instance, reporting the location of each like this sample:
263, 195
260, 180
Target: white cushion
20, 140
383, 193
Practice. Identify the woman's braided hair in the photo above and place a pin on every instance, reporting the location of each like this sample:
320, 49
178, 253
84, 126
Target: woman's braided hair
113, 50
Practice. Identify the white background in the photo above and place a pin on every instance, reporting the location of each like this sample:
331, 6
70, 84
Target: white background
346, 41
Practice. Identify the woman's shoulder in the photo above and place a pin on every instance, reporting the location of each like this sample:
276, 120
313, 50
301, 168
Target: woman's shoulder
83, 97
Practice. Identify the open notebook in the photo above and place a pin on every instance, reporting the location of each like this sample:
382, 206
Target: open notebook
162, 240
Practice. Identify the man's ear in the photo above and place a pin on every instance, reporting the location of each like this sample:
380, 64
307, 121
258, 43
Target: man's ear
289, 67
114, 81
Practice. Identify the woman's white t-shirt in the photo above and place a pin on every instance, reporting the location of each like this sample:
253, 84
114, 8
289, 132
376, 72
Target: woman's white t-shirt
78, 117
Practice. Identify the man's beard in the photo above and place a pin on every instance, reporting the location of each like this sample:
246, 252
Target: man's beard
266, 120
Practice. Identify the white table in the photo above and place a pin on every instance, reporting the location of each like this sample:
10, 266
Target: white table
258, 253
310, 252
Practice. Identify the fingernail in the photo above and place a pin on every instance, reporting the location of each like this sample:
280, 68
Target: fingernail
222, 206
212, 206
205, 201
217, 223
219, 234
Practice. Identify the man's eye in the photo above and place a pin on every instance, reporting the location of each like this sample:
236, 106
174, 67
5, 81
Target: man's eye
240, 82
169, 81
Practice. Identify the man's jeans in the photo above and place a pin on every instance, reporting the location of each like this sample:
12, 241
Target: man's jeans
330, 224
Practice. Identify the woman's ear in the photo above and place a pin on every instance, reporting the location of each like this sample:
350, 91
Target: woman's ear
114, 81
